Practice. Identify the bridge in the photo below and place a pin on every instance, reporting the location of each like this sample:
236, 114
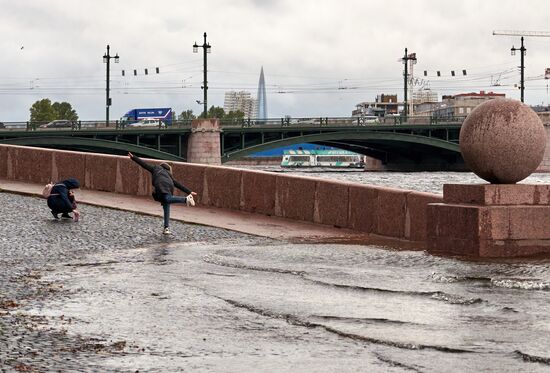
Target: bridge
416, 141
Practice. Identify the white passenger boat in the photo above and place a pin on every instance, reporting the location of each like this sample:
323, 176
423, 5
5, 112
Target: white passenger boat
334, 158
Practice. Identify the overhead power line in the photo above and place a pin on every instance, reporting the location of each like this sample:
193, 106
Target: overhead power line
522, 33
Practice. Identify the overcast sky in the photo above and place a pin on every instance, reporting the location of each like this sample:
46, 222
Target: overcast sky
320, 57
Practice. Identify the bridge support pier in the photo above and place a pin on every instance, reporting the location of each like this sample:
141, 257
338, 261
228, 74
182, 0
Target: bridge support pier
490, 221
204, 142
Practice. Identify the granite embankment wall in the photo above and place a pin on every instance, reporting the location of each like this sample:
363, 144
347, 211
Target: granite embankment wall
382, 211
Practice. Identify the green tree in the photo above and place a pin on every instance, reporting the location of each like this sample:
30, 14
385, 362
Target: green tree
187, 115
216, 112
64, 110
234, 115
42, 111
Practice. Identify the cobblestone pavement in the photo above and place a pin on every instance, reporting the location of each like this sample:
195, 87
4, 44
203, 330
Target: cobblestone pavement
111, 294
32, 244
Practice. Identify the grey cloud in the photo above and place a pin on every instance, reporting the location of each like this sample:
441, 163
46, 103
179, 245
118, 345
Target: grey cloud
306, 47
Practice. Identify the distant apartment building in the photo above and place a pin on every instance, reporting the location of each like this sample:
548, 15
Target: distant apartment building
424, 102
382, 106
242, 101
462, 104
424, 96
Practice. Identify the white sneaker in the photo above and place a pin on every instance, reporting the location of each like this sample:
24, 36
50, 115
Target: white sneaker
166, 231
189, 200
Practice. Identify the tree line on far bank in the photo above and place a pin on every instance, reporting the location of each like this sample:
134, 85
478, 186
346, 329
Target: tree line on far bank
43, 111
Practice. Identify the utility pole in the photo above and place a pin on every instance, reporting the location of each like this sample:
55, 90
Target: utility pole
412, 62
206, 49
522, 50
405, 90
107, 59
405, 60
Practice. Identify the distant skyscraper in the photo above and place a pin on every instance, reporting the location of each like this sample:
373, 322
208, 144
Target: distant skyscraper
262, 103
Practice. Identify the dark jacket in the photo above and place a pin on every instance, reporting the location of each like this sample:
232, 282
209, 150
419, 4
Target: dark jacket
59, 201
163, 182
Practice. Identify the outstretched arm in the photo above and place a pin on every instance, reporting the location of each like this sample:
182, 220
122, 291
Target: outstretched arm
139, 161
183, 188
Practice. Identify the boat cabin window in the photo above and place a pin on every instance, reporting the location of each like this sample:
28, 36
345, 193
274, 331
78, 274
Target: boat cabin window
337, 158
298, 158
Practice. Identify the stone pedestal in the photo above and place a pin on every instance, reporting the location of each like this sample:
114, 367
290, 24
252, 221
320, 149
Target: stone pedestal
204, 142
545, 164
490, 221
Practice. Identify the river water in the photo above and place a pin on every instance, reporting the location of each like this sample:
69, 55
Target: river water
431, 182
247, 304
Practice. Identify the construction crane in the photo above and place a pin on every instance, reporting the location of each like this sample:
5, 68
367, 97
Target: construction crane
522, 50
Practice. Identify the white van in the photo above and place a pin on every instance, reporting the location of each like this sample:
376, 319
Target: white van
369, 119
148, 123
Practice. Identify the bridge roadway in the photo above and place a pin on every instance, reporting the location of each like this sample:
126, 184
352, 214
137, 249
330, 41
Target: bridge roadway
418, 139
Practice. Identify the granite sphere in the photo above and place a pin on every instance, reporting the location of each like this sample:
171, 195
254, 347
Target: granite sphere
502, 141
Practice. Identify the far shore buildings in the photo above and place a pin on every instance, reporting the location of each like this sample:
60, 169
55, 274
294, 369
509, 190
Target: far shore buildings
241, 100
462, 104
426, 103
383, 105
543, 112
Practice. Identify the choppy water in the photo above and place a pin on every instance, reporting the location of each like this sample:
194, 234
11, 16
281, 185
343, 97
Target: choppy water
431, 182
255, 305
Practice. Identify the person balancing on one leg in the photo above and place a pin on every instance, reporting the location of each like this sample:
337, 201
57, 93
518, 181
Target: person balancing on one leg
163, 183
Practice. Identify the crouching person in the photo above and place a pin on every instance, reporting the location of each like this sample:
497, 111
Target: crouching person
61, 199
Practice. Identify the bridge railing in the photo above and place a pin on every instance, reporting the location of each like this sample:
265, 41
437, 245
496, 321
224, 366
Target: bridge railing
308, 122
86, 125
337, 121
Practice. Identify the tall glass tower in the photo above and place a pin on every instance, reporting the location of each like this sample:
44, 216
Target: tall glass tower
262, 103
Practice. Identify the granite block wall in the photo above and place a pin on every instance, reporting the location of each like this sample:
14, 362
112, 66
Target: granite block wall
382, 211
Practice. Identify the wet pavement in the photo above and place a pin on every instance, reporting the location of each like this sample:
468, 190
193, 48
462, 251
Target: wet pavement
110, 293
240, 221
33, 245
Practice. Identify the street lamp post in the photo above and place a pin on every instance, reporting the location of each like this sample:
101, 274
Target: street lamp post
522, 49
406, 58
107, 59
205, 49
